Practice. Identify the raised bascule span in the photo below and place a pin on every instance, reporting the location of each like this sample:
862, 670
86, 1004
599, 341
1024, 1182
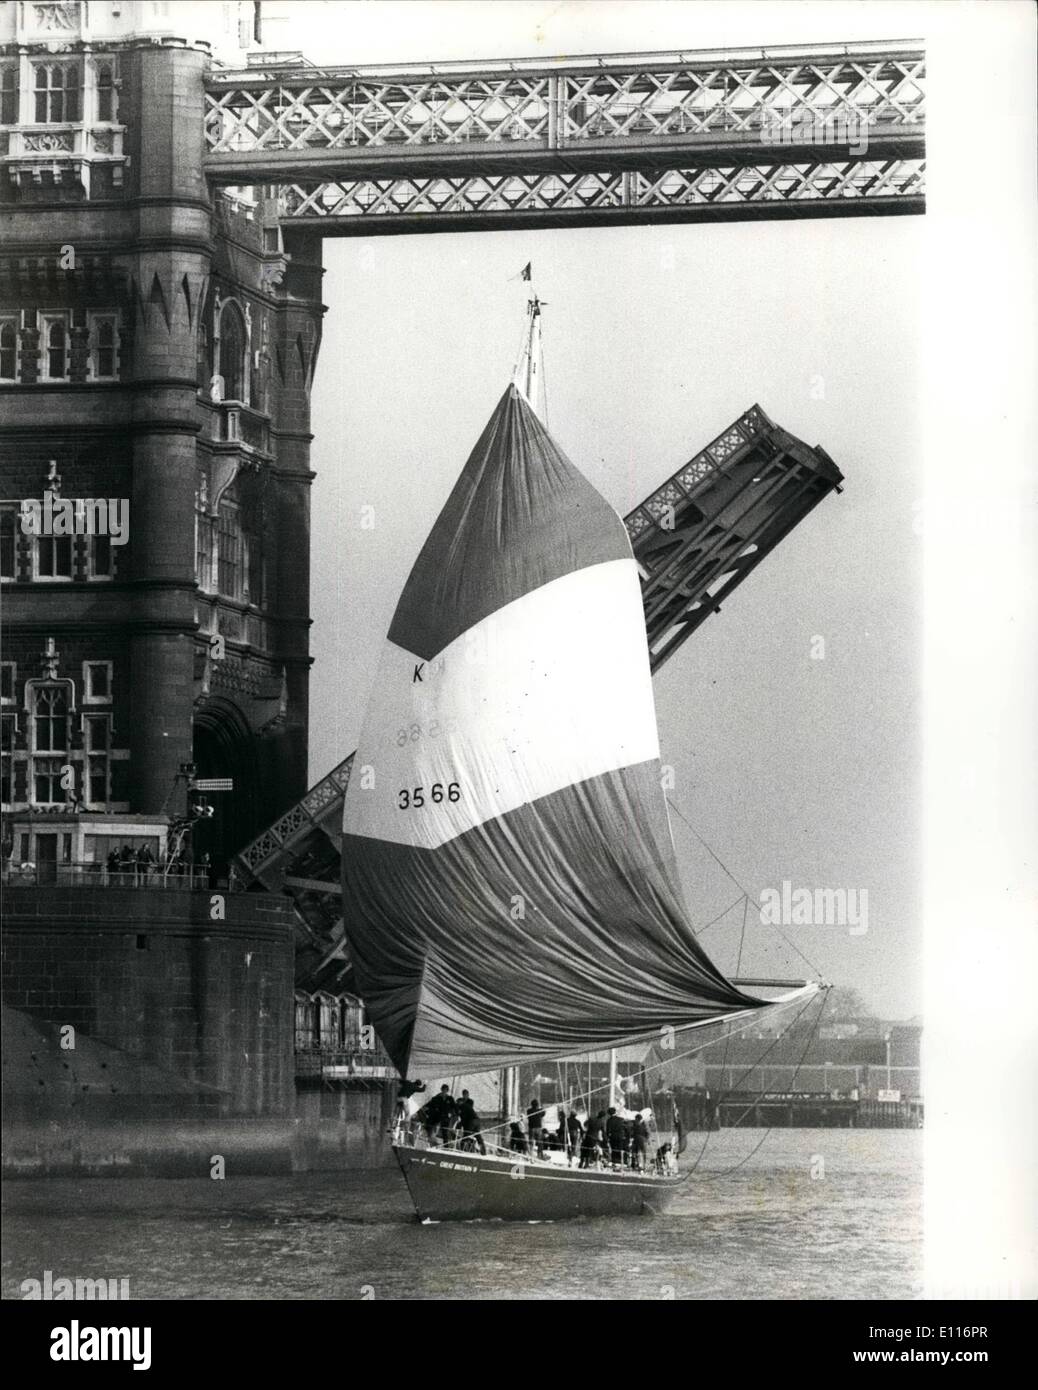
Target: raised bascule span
823, 131
695, 539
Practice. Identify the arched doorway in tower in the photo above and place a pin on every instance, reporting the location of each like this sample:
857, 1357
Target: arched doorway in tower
225, 746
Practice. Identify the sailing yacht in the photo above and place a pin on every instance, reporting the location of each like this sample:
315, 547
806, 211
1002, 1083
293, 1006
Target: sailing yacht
510, 886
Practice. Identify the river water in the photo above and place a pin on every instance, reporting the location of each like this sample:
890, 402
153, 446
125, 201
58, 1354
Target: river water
814, 1214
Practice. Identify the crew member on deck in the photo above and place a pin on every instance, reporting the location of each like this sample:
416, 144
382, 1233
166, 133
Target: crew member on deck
639, 1143
443, 1110
574, 1131
535, 1125
470, 1126
616, 1135
594, 1138
402, 1115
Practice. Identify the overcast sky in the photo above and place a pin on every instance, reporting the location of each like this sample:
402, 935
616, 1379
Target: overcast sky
655, 339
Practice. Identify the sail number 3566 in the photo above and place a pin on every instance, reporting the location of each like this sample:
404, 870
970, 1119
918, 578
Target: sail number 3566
410, 799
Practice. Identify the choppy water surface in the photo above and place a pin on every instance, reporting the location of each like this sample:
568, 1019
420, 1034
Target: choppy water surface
768, 1230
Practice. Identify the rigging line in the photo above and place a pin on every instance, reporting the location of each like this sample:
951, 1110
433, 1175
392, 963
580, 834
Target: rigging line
728, 1036
716, 857
757, 1147
544, 379
751, 1068
666, 1061
568, 1099
806, 959
738, 968
754, 1065
519, 354
714, 921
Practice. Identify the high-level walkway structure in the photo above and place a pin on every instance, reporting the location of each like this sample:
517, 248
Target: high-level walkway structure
824, 131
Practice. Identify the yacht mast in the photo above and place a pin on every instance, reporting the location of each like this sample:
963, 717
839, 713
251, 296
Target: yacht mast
529, 371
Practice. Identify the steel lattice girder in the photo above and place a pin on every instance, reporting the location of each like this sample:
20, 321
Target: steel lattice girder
668, 133
695, 539
699, 535
810, 188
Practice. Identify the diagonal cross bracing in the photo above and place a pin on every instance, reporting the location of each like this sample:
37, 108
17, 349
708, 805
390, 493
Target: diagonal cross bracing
771, 133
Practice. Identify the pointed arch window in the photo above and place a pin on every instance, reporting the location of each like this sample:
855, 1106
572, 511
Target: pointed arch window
232, 352
104, 347
105, 92
50, 705
54, 346
50, 712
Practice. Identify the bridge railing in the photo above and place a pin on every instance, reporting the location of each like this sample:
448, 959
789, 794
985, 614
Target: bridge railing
89, 874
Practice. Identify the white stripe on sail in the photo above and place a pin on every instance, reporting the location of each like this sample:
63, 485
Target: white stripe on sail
550, 690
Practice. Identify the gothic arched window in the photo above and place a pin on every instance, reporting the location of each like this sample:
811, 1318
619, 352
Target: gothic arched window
105, 85
232, 352
50, 711
55, 348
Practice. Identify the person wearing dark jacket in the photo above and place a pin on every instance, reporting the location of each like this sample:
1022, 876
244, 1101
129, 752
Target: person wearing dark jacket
574, 1131
471, 1138
127, 864
442, 1111
616, 1135
593, 1139
639, 1142
535, 1127
145, 862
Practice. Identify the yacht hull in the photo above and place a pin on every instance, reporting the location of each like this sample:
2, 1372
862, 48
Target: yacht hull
451, 1185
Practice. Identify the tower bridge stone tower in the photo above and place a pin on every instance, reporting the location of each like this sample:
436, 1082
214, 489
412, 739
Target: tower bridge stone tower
159, 347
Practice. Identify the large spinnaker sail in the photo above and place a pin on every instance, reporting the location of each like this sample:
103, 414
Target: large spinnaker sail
510, 889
